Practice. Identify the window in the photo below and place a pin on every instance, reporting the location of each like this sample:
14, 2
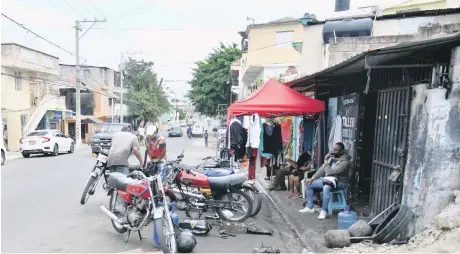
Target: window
17, 81
284, 39
86, 73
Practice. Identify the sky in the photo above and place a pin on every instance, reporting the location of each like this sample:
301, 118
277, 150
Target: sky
172, 33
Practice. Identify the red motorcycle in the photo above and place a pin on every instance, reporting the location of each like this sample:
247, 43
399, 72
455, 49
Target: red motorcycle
223, 194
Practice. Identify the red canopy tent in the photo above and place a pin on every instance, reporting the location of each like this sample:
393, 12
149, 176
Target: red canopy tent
275, 99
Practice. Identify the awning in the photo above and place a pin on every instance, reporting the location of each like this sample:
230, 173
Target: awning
359, 62
91, 120
273, 99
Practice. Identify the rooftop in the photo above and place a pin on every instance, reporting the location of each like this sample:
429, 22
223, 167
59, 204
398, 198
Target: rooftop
22, 46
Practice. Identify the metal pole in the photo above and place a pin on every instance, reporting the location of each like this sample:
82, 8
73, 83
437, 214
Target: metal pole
113, 108
77, 85
121, 86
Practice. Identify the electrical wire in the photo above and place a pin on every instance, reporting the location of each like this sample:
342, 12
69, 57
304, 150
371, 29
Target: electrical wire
39, 36
97, 9
86, 8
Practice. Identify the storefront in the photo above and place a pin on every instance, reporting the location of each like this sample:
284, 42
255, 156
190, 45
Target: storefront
54, 120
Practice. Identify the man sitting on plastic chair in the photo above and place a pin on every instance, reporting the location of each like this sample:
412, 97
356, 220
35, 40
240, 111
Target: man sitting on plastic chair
335, 169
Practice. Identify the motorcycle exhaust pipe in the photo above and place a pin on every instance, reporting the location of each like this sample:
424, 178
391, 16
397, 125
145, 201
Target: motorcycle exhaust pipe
110, 214
187, 193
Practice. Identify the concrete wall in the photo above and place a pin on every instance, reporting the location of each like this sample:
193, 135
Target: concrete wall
262, 47
411, 25
346, 48
313, 50
432, 171
392, 6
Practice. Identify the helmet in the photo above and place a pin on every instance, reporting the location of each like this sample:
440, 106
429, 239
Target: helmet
331, 181
186, 241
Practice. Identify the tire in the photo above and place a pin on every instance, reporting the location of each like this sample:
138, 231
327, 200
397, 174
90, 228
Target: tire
247, 213
399, 228
3, 158
159, 225
120, 230
89, 185
55, 150
256, 199
25, 154
389, 223
72, 148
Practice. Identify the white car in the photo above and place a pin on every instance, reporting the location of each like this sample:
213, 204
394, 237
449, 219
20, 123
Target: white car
197, 130
46, 142
3, 155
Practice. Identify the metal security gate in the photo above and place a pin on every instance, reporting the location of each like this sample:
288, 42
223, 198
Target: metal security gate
390, 147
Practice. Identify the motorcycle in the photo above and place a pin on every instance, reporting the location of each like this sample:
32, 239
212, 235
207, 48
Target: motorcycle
223, 168
189, 134
98, 172
213, 192
142, 200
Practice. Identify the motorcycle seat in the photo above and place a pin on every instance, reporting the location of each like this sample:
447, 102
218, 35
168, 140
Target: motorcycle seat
224, 182
121, 181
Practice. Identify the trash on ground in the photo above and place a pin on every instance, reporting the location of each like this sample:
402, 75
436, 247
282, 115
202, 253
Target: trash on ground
197, 227
264, 249
260, 231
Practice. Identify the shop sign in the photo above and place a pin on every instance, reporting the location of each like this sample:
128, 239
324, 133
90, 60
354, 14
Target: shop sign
68, 115
54, 115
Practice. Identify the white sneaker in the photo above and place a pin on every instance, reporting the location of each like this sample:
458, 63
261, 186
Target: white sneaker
307, 210
322, 215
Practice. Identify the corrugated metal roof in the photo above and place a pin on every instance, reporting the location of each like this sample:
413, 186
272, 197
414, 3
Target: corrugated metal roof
433, 12
401, 47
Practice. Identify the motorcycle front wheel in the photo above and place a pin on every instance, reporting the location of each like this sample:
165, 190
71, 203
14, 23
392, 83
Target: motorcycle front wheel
166, 239
236, 197
89, 187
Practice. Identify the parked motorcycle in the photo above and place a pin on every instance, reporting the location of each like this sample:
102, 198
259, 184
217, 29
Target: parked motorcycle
223, 194
223, 168
138, 199
98, 172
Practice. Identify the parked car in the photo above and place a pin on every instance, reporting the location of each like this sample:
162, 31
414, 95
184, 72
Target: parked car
175, 132
51, 142
3, 155
183, 123
103, 138
197, 130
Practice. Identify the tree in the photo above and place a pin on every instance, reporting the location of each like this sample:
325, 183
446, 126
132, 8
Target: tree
210, 85
146, 97
182, 114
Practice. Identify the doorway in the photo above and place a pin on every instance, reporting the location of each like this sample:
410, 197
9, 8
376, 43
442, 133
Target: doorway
390, 147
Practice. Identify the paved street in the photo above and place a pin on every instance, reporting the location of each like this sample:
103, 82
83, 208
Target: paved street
41, 210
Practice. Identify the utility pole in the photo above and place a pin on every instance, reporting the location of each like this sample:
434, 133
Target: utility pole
77, 76
121, 90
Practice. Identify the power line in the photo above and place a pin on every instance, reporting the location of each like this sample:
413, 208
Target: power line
97, 9
39, 36
86, 8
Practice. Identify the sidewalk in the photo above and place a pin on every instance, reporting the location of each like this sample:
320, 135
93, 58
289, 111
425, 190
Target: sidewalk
309, 229
17, 155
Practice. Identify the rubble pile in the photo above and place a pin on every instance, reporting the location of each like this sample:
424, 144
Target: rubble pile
440, 237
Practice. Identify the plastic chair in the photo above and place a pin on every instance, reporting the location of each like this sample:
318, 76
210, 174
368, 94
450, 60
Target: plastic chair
340, 204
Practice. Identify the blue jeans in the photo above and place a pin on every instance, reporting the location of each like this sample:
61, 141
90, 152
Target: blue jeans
158, 167
318, 185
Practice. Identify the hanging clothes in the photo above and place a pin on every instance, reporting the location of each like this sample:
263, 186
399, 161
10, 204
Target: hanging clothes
308, 133
253, 124
336, 132
273, 142
234, 133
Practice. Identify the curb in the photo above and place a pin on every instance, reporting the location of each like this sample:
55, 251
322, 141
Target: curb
14, 157
298, 234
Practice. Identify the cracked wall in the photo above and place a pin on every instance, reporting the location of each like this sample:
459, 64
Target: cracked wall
433, 165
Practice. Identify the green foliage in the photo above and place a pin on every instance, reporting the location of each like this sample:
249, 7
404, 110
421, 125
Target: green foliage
210, 85
146, 97
182, 114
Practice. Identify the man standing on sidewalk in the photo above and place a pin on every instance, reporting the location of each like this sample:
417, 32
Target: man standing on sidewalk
5, 137
206, 138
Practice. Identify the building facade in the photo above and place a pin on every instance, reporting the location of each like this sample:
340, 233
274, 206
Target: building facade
30, 91
269, 50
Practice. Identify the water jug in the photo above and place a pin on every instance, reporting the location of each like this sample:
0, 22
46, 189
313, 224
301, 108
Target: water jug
346, 218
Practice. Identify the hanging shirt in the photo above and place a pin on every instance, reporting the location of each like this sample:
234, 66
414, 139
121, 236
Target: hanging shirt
253, 131
234, 133
336, 133
273, 142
